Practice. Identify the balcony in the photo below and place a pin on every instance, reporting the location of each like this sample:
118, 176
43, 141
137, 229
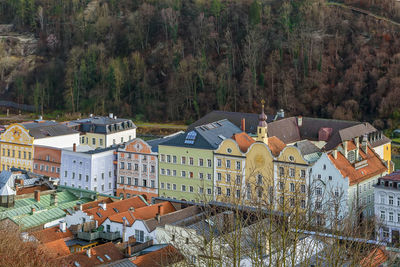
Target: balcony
90, 236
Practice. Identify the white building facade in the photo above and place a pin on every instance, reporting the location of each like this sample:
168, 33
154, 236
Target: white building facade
387, 208
89, 169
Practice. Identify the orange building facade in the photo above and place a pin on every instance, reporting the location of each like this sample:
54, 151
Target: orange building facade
137, 170
47, 161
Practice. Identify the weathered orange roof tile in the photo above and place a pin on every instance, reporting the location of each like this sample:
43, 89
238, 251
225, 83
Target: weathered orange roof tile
115, 207
243, 140
275, 145
51, 234
162, 257
375, 166
375, 258
143, 213
56, 248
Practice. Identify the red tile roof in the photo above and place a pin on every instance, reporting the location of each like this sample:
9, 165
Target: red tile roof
162, 257
83, 260
51, 234
96, 203
275, 145
375, 258
243, 140
56, 248
28, 190
143, 213
394, 176
121, 206
375, 166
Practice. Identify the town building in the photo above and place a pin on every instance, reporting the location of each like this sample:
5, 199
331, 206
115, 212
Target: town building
18, 141
342, 182
103, 132
186, 161
137, 168
90, 169
387, 207
165, 255
47, 161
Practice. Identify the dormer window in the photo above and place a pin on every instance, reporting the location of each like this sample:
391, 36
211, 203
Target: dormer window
351, 156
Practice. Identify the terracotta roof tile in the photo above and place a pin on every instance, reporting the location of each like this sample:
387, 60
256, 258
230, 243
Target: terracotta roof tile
51, 234
31, 189
56, 248
115, 207
375, 258
162, 257
243, 140
96, 203
276, 145
375, 166
83, 260
143, 213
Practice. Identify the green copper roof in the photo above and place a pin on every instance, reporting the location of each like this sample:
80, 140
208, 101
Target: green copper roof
21, 212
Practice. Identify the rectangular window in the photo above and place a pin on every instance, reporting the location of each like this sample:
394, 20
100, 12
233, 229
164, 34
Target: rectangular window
101, 141
183, 188
163, 171
209, 191
303, 188
390, 216
122, 179
162, 158
80, 176
153, 169
219, 176
238, 193
291, 201
169, 158
183, 173
318, 205
136, 167
201, 162
144, 168
73, 175
129, 180
168, 186
209, 176
209, 163
238, 165
292, 187
228, 192
391, 200
201, 175
122, 139
102, 176
219, 191
168, 172
122, 165
228, 178
144, 183
383, 215
83, 139
19, 154
303, 204
191, 162
139, 235
136, 181
281, 171
129, 166
162, 185
219, 162
238, 179
292, 172
201, 190
153, 183
173, 159
318, 191
102, 187
281, 186
53, 169
109, 185
228, 164
303, 173
191, 174
183, 160
191, 189
65, 173
93, 141
174, 172
173, 186
87, 178
58, 170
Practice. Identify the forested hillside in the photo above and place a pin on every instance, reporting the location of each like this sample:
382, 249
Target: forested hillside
178, 59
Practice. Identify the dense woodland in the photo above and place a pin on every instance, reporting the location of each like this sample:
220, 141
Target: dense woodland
179, 59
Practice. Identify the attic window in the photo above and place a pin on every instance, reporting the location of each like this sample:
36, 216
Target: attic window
351, 156
77, 264
291, 158
115, 209
100, 259
98, 214
107, 257
229, 150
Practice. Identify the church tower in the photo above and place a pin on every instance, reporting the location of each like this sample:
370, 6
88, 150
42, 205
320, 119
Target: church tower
262, 128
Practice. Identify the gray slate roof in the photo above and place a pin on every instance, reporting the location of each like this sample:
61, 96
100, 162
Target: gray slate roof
251, 119
208, 136
104, 124
43, 129
156, 142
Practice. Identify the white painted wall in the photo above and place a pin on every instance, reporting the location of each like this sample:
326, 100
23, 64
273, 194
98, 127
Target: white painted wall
77, 217
60, 141
130, 229
118, 135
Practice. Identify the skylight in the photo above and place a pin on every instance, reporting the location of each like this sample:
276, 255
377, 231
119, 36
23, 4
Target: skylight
108, 257
77, 264
190, 137
116, 210
98, 214
100, 259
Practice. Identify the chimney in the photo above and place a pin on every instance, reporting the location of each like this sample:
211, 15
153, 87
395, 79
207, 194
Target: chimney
88, 253
357, 141
299, 121
345, 149
364, 143
111, 115
37, 195
158, 217
33, 210
243, 125
53, 199
103, 205
335, 154
79, 206
74, 147
63, 227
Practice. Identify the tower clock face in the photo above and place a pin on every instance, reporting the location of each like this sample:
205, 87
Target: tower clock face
259, 161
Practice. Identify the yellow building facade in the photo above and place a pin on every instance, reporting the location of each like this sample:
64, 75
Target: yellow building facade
16, 146
290, 180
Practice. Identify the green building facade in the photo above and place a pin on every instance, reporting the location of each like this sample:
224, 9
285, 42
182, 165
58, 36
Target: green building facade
186, 165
